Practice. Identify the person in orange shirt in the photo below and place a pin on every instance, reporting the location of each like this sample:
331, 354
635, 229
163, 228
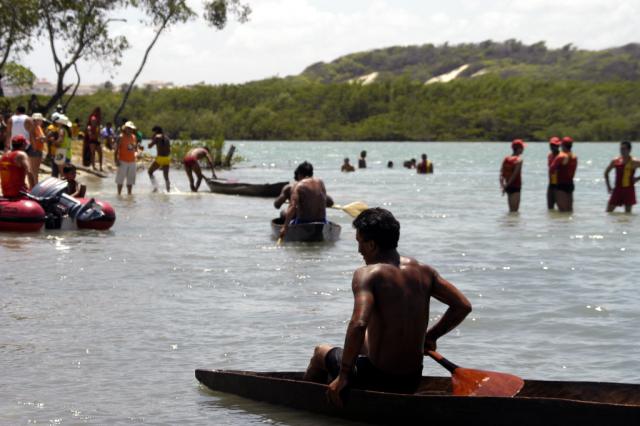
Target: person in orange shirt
624, 192
511, 175
125, 157
554, 147
39, 138
565, 165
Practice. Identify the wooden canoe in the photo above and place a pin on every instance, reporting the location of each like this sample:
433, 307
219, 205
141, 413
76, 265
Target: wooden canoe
538, 403
307, 232
270, 190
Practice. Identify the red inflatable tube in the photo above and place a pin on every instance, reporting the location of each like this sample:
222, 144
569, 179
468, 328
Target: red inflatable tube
20, 215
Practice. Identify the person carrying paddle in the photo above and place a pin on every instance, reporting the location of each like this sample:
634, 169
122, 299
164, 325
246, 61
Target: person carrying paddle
624, 192
163, 157
191, 166
511, 175
309, 199
387, 335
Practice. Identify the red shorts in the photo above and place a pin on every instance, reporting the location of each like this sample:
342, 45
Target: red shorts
623, 196
190, 161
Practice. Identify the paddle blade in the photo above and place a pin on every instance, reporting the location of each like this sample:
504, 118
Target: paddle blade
354, 209
279, 242
468, 382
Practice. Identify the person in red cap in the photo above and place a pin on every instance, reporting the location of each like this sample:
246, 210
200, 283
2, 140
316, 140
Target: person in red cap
554, 147
511, 175
565, 165
624, 192
14, 167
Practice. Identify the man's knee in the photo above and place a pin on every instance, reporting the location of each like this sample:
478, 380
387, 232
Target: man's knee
320, 352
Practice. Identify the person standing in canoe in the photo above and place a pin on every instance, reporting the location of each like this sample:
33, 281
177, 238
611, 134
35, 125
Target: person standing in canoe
125, 157
309, 200
163, 157
554, 147
511, 175
425, 166
387, 335
624, 192
565, 165
192, 166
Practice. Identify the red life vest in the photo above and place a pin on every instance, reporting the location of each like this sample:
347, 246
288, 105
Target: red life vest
567, 171
12, 175
624, 173
508, 167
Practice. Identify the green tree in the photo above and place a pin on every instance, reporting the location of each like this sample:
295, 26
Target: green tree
18, 21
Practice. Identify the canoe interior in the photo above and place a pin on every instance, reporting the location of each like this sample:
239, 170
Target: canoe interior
270, 190
307, 232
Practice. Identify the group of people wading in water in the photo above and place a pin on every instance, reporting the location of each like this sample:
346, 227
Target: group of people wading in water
562, 164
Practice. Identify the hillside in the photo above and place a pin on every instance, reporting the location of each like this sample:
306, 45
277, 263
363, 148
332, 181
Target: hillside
505, 59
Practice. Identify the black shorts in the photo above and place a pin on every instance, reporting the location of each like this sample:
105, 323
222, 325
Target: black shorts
566, 187
552, 187
366, 376
511, 189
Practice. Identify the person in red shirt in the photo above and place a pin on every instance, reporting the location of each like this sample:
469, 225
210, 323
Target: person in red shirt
624, 192
554, 147
14, 167
565, 165
511, 175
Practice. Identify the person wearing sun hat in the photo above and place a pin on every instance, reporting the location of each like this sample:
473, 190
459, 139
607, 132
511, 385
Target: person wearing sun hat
511, 175
554, 148
565, 165
125, 157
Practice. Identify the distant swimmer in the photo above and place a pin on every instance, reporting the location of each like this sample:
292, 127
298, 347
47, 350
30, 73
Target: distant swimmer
425, 166
362, 161
14, 168
192, 166
390, 164
347, 167
565, 165
511, 175
624, 192
309, 200
410, 164
163, 157
388, 334
554, 146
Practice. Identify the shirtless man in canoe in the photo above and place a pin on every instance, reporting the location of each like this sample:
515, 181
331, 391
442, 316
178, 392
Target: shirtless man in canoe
191, 166
309, 199
387, 334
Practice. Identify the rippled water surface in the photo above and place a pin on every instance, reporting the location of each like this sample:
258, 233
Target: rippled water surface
108, 327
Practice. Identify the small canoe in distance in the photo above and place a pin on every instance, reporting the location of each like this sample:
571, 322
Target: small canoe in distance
267, 190
307, 232
538, 403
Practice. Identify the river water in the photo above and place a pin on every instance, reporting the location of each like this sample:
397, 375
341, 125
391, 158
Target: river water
108, 327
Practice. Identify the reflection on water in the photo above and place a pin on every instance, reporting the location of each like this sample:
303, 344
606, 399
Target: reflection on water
119, 320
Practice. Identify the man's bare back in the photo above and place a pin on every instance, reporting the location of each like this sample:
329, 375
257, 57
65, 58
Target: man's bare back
387, 334
310, 199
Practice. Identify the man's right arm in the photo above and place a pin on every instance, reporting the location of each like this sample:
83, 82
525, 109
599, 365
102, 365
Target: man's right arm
458, 308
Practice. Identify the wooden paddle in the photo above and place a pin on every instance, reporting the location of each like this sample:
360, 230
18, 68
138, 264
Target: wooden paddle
352, 209
468, 382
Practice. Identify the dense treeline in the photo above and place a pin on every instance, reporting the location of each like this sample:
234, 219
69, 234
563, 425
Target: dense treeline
483, 108
507, 59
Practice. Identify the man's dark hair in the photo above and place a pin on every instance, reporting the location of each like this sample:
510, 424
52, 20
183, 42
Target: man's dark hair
627, 144
304, 170
68, 168
157, 129
424, 156
363, 154
21, 109
380, 226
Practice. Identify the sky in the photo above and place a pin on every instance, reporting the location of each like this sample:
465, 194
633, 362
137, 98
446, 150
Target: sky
283, 37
